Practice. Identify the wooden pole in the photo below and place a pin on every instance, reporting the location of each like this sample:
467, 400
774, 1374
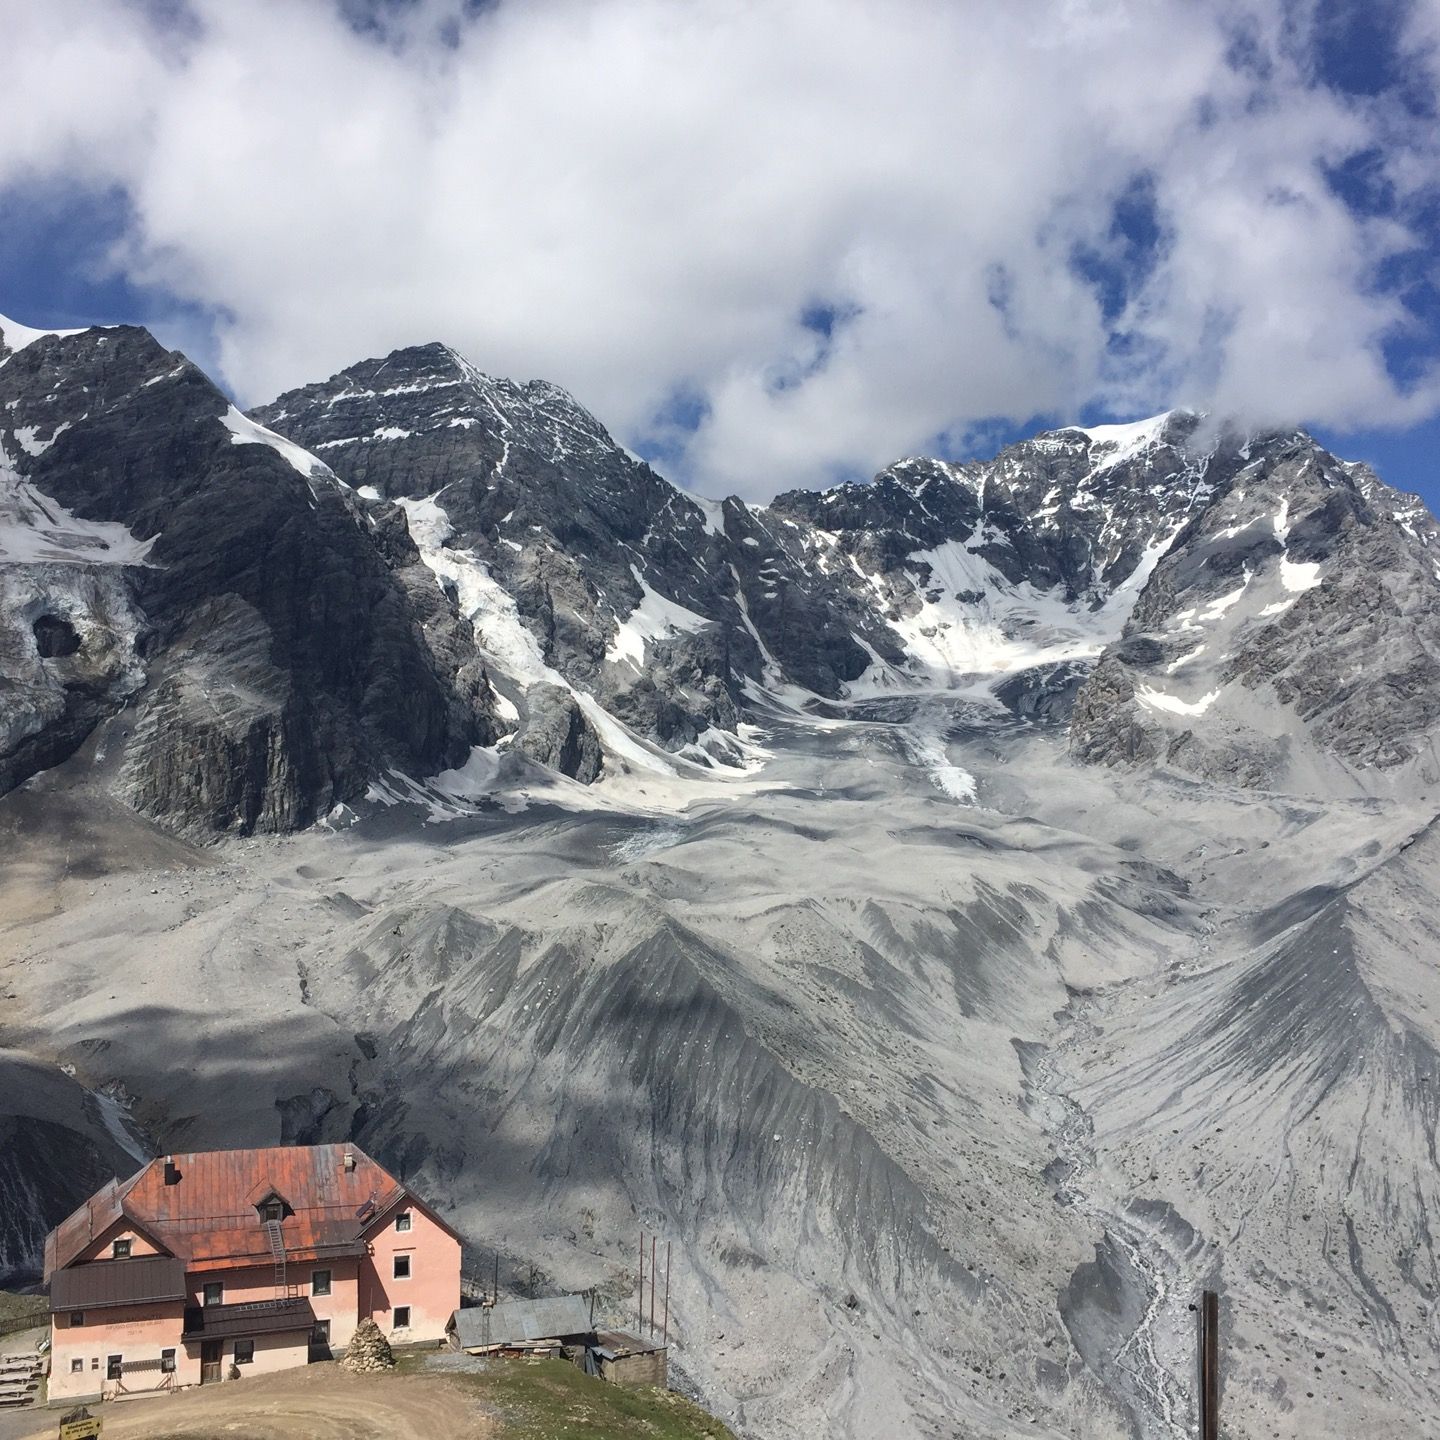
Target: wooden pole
653, 1244
1209, 1366
665, 1327
641, 1331
495, 1292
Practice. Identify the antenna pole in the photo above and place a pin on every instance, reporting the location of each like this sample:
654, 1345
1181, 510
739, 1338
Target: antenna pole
642, 1280
652, 1285
1209, 1365
665, 1331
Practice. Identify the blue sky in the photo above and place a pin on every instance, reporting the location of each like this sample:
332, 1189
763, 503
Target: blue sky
699, 223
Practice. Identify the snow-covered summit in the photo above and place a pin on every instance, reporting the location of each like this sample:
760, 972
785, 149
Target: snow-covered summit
14, 336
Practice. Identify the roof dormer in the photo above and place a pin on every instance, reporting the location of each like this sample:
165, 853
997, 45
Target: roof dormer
270, 1205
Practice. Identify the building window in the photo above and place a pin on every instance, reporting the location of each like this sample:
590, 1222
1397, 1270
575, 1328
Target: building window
77, 1317
402, 1317
120, 1250
402, 1267
273, 1210
244, 1352
112, 1366
402, 1221
214, 1293
167, 1362
77, 1367
94, 1362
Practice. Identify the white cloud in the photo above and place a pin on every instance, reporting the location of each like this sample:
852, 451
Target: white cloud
642, 197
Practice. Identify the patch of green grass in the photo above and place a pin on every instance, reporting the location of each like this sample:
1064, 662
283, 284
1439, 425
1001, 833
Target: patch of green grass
21, 1312
554, 1400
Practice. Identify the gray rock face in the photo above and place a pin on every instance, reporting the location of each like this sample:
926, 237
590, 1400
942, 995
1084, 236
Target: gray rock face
558, 735
483, 533
223, 588
58, 1145
531, 489
672, 612
1296, 620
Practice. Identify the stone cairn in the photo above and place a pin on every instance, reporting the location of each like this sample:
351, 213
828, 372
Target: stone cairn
368, 1350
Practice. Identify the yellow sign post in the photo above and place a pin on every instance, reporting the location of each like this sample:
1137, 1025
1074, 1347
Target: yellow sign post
86, 1429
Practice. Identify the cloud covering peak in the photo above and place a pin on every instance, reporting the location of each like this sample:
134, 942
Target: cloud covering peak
768, 242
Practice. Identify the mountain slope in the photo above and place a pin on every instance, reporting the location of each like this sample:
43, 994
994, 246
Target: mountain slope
1000, 903
1296, 619
162, 555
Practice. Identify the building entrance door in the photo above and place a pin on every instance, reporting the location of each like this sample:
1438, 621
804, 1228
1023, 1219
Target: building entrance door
209, 1361
320, 1341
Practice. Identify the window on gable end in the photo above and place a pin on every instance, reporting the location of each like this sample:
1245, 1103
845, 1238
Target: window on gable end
402, 1221
120, 1250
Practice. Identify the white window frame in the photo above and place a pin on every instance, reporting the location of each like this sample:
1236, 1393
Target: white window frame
395, 1260
399, 1323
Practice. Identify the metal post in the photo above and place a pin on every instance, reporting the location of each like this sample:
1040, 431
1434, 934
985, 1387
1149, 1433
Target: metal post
495, 1291
641, 1331
1209, 1366
653, 1243
665, 1331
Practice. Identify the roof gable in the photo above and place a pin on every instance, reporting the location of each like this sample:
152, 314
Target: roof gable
402, 1198
122, 1225
264, 1191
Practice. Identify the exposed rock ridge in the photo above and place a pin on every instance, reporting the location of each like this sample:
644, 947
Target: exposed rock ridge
220, 586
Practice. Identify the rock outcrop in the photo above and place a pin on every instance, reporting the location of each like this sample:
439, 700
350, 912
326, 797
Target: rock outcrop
163, 557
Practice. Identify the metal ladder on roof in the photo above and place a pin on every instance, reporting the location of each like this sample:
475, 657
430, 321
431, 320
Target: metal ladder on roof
277, 1254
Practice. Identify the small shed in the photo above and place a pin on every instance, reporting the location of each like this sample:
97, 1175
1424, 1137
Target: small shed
526, 1327
627, 1359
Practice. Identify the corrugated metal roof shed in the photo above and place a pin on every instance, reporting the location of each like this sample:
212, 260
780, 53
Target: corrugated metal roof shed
520, 1322
118, 1282
617, 1344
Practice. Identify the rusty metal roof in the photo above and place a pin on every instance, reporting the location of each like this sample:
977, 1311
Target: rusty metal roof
208, 1217
260, 1317
151, 1278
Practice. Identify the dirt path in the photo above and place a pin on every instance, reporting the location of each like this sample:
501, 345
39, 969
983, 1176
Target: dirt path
318, 1402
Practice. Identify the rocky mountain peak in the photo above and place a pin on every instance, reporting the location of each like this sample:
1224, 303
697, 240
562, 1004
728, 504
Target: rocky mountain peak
239, 647
549, 597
